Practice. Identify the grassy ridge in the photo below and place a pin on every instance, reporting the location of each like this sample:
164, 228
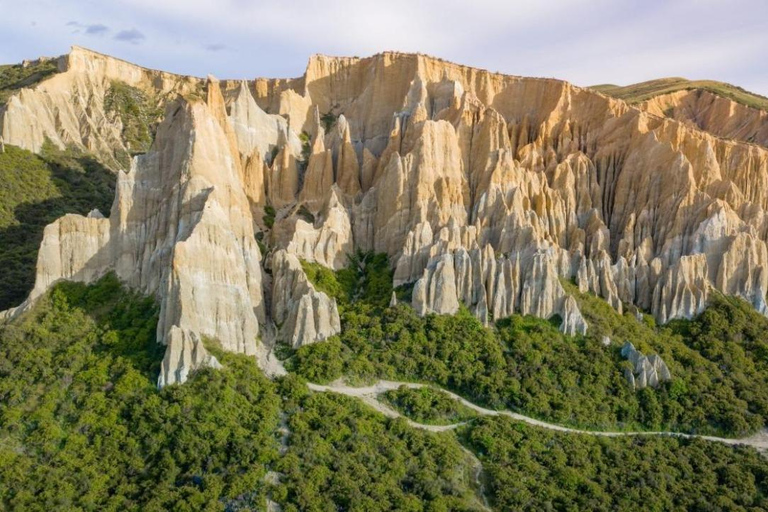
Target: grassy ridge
637, 93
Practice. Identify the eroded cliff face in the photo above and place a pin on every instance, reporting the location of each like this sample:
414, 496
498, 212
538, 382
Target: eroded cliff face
69, 108
484, 190
713, 113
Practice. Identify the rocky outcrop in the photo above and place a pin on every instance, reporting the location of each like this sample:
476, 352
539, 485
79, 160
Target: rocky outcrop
328, 240
485, 190
180, 229
303, 315
646, 370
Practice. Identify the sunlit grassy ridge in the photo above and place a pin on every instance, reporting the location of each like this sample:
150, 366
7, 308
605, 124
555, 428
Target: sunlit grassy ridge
637, 93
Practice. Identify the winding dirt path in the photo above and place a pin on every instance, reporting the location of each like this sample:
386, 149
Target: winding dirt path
369, 395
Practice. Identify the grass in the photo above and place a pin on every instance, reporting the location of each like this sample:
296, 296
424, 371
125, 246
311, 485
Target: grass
637, 93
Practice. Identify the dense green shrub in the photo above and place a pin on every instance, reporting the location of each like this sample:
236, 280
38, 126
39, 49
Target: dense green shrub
428, 405
366, 281
532, 469
14, 77
344, 456
139, 114
720, 374
269, 216
84, 428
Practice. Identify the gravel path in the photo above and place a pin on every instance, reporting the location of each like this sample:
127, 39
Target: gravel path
369, 394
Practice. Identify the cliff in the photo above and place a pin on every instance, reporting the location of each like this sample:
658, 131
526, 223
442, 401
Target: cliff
484, 189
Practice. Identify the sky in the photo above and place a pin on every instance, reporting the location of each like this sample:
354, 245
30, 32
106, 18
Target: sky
586, 42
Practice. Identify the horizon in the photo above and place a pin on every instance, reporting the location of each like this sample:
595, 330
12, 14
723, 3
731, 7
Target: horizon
584, 42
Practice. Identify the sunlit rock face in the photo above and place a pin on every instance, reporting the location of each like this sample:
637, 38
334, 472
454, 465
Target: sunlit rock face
485, 190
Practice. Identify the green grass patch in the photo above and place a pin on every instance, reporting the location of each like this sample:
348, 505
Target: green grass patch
637, 93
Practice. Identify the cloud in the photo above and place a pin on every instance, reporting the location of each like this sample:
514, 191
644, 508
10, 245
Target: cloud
132, 36
584, 41
93, 29
96, 29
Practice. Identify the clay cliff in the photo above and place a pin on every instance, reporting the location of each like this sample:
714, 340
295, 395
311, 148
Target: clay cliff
484, 189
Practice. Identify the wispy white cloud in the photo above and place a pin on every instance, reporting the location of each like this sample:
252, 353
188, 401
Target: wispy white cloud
585, 41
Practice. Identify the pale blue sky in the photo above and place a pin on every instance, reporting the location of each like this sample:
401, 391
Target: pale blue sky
583, 41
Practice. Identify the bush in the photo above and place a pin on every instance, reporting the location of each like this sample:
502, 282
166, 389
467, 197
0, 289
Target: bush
428, 405
534, 469
139, 114
16, 76
84, 427
718, 363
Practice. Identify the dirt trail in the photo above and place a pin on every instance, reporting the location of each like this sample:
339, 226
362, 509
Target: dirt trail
369, 394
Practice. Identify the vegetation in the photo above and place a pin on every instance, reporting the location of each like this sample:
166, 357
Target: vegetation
638, 93
365, 284
35, 190
344, 456
428, 405
306, 150
532, 469
14, 77
269, 216
82, 426
139, 114
329, 120
718, 361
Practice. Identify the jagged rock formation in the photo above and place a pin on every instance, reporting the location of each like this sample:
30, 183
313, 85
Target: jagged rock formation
302, 314
68, 108
646, 370
484, 190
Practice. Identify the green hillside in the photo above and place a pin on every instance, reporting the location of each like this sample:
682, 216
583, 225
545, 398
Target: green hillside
35, 190
637, 93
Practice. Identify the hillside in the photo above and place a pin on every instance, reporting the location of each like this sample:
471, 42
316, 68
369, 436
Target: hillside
84, 427
643, 91
484, 190
193, 272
